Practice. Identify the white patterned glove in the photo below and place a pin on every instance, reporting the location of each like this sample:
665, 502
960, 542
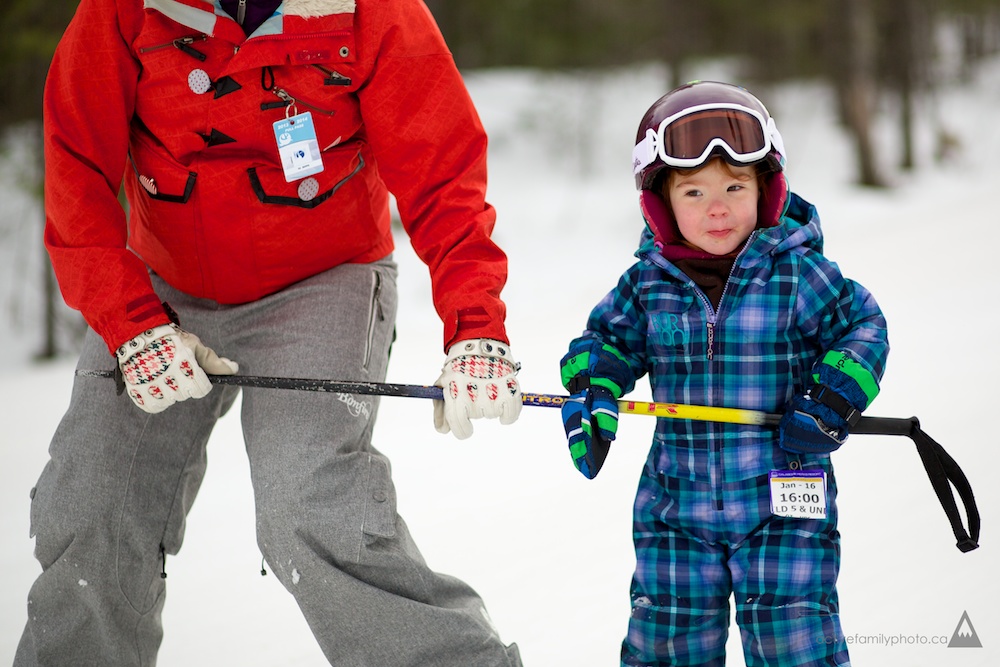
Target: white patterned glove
479, 380
166, 364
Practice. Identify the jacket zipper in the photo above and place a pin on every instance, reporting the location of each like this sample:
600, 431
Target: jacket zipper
375, 315
283, 38
333, 77
287, 99
241, 12
182, 43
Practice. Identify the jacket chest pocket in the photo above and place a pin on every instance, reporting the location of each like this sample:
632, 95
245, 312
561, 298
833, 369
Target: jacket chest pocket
341, 166
674, 323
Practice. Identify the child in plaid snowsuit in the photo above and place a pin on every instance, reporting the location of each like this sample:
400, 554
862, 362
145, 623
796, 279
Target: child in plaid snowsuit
735, 313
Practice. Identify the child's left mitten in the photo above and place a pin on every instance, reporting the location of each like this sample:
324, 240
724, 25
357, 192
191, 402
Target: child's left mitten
819, 421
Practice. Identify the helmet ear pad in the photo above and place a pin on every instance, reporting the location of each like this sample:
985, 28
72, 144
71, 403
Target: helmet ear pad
658, 216
656, 211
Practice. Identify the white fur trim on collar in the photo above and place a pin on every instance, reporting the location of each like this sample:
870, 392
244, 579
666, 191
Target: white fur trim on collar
313, 8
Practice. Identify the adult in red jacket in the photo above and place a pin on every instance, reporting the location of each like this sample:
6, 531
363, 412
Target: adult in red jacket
259, 144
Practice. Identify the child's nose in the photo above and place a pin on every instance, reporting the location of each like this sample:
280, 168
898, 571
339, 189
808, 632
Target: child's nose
717, 208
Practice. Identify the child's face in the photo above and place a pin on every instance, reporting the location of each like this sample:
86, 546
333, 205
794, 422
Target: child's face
715, 206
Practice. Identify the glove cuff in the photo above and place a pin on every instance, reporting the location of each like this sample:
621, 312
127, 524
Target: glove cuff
139, 343
590, 363
482, 347
840, 372
833, 400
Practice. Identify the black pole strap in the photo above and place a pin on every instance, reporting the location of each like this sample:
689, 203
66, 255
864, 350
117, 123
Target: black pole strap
942, 471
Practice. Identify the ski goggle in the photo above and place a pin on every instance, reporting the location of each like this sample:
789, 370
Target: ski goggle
687, 139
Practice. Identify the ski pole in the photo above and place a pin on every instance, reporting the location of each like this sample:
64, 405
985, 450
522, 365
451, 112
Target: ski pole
942, 470
867, 425
669, 410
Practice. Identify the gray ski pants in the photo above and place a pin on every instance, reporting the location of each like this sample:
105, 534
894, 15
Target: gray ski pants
113, 497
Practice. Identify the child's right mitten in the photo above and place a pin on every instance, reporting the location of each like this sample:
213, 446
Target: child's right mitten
596, 376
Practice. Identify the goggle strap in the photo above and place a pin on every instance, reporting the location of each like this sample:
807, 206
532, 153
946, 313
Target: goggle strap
776, 141
644, 153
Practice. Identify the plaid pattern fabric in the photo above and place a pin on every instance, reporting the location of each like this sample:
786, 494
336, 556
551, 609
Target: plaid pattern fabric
691, 557
703, 529
785, 305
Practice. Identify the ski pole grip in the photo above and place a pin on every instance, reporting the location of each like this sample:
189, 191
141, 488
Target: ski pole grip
886, 425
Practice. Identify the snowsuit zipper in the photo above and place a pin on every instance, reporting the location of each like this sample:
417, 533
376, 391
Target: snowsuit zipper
712, 317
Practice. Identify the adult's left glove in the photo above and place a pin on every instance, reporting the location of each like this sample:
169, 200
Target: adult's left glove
479, 379
166, 364
820, 421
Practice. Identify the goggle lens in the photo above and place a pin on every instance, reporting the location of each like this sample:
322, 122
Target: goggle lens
690, 136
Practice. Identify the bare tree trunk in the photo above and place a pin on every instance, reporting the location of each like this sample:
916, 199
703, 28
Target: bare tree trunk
50, 296
908, 49
50, 290
907, 158
679, 26
858, 91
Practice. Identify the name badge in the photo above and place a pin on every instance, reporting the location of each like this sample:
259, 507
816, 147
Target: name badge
799, 494
298, 147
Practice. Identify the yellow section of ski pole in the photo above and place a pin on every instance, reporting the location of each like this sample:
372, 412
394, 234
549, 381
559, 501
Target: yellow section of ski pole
670, 410
695, 412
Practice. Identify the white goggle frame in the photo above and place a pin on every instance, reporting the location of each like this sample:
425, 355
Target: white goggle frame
651, 146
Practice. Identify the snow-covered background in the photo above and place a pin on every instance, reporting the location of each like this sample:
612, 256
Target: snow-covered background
549, 551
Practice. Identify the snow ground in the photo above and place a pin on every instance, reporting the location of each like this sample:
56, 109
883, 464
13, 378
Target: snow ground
550, 551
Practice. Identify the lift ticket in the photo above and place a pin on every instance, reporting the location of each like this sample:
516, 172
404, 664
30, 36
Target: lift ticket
298, 147
799, 494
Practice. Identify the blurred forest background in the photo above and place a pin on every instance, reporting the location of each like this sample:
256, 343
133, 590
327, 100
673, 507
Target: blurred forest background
872, 53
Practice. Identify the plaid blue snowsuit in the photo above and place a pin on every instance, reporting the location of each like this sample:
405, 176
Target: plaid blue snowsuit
703, 528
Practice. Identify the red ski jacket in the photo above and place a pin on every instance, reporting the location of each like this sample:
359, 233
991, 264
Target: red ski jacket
173, 95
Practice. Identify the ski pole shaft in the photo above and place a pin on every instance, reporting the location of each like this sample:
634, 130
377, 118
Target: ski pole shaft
875, 425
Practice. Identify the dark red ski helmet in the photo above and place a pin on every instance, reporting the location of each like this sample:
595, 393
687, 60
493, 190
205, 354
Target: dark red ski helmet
699, 120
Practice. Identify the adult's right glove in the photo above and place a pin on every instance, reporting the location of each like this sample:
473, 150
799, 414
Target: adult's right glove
166, 364
596, 376
479, 379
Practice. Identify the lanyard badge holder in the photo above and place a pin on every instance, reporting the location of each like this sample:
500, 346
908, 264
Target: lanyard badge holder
298, 147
